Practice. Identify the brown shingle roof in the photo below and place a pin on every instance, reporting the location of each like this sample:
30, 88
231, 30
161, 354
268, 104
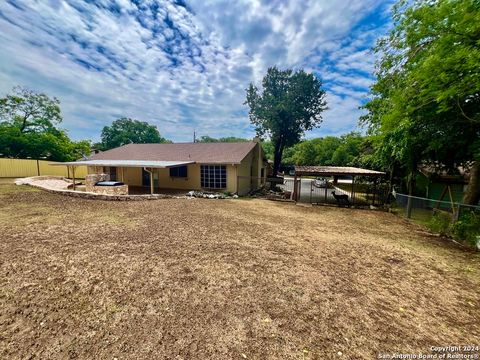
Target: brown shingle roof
206, 153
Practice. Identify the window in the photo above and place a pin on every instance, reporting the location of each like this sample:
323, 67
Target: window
178, 171
213, 176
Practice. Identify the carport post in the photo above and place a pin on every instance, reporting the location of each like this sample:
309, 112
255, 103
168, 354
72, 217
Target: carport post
311, 191
326, 189
299, 193
295, 187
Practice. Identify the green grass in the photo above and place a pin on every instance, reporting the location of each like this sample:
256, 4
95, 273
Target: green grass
7, 186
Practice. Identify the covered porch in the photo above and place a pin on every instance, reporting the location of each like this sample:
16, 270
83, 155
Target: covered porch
141, 177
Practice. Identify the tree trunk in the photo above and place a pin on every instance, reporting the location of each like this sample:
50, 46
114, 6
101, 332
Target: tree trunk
277, 156
472, 196
276, 162
390, 184
411, 186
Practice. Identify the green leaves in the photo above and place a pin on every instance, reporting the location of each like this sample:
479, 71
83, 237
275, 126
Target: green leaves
40, 145
128, 131
209, 139
425, 104
30, 112
347, 150
290, 104
28, 129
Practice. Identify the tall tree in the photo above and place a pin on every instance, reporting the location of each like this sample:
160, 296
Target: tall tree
345, 150
129, 131
289, 104
425, 103
28, 111
28, 128
209, 139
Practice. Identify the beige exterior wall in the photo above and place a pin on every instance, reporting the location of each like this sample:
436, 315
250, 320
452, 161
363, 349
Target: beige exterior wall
239, 176
244, 174
191, 182
250, 171
133, 177
232, 178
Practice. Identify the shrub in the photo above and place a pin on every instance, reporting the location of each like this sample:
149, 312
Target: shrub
440, 223
467, 228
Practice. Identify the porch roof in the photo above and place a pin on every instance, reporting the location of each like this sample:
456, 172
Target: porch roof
127, 163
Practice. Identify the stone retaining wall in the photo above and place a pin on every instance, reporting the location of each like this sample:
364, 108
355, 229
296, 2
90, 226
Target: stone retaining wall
88, 195
110, 190
93, 196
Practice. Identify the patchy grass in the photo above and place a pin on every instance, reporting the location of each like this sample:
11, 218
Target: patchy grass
224, 279
7, 186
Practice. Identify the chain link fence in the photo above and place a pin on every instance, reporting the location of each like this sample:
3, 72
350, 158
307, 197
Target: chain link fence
461, 221
359, 192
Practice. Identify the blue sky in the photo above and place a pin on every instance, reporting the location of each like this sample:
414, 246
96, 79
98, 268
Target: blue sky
185, 65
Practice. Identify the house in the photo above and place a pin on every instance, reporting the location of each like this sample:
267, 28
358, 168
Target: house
237, 167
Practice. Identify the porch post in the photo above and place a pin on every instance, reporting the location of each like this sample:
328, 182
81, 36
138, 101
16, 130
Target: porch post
151, 181
73, 174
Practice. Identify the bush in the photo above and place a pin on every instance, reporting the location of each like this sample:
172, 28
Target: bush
440, 223
467, 228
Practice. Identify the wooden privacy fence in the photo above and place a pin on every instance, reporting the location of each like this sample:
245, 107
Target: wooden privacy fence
13, 168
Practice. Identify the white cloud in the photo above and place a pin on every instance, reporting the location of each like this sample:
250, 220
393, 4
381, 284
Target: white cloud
181, 68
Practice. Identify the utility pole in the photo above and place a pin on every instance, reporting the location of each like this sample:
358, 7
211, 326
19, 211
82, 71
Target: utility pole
194, 138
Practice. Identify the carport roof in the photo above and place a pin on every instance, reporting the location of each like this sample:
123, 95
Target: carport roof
335, 171
127, 163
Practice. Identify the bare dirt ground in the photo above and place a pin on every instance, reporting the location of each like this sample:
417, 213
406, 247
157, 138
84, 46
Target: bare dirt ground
224, 279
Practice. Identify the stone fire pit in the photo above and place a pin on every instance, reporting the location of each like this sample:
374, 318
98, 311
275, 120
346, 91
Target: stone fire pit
92, 179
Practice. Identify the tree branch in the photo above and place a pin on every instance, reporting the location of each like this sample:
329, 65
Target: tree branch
463, 113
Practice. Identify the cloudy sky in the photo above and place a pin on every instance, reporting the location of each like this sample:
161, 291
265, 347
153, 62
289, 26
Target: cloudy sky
184, 65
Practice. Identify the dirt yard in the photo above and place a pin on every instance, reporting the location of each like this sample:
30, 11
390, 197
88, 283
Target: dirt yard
224, 279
